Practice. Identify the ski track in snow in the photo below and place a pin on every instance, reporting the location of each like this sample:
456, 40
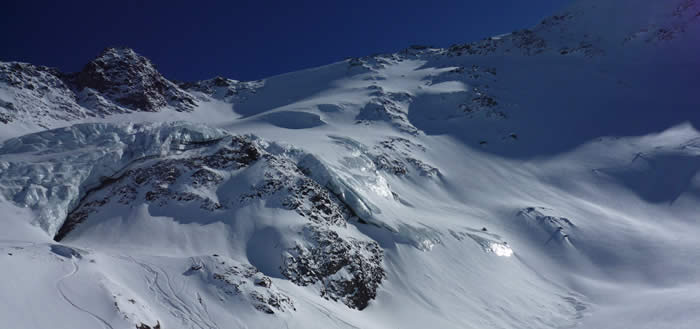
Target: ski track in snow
177, 306
59, 288
414, 144
327, 313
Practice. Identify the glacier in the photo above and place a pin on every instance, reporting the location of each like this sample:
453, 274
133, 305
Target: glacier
544, 178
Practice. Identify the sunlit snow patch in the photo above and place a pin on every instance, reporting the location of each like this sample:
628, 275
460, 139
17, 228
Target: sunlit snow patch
426, 245
359, 170
498, 248
501, 249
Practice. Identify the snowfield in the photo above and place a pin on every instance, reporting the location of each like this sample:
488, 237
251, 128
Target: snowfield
546, 178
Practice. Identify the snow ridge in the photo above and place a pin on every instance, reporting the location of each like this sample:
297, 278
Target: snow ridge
546, 178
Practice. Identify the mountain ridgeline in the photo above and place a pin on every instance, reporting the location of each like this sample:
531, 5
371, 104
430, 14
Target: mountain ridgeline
544, 178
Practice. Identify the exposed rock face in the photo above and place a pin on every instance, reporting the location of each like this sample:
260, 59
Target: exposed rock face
131, 80
145, 326
342, 267
37, 91
394, 155
118, 81
685, 16
222, 88
247, 282
535, 41
349, 270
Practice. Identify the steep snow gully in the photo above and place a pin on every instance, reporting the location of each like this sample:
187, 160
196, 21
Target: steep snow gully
546, 178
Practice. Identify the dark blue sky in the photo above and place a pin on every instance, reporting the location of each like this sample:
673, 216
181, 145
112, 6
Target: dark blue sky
246, 40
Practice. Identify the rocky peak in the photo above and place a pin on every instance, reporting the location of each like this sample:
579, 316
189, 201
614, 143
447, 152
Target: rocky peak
132, 80
122, 53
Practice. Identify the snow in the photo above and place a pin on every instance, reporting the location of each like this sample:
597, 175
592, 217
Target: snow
515, 187
50, 171
293, 119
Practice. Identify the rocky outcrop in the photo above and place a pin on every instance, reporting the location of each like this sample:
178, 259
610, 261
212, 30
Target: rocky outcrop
341, 267
247, 282
396, 155
684, 17
131, 80
145, 326
222, 89
35, 93
117, 81
345, 269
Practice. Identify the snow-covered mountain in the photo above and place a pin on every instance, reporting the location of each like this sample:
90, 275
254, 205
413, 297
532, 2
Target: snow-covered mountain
547, 178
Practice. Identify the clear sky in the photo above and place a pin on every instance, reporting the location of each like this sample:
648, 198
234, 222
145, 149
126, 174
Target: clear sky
247, 40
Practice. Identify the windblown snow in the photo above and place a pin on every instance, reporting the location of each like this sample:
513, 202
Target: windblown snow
546, 178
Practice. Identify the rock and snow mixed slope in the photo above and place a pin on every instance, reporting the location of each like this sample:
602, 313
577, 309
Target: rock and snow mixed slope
545, 178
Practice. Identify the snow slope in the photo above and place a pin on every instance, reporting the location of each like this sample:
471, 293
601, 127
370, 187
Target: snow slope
546, 178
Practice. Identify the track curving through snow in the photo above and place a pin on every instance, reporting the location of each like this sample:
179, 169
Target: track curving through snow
167, 296
59, 288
